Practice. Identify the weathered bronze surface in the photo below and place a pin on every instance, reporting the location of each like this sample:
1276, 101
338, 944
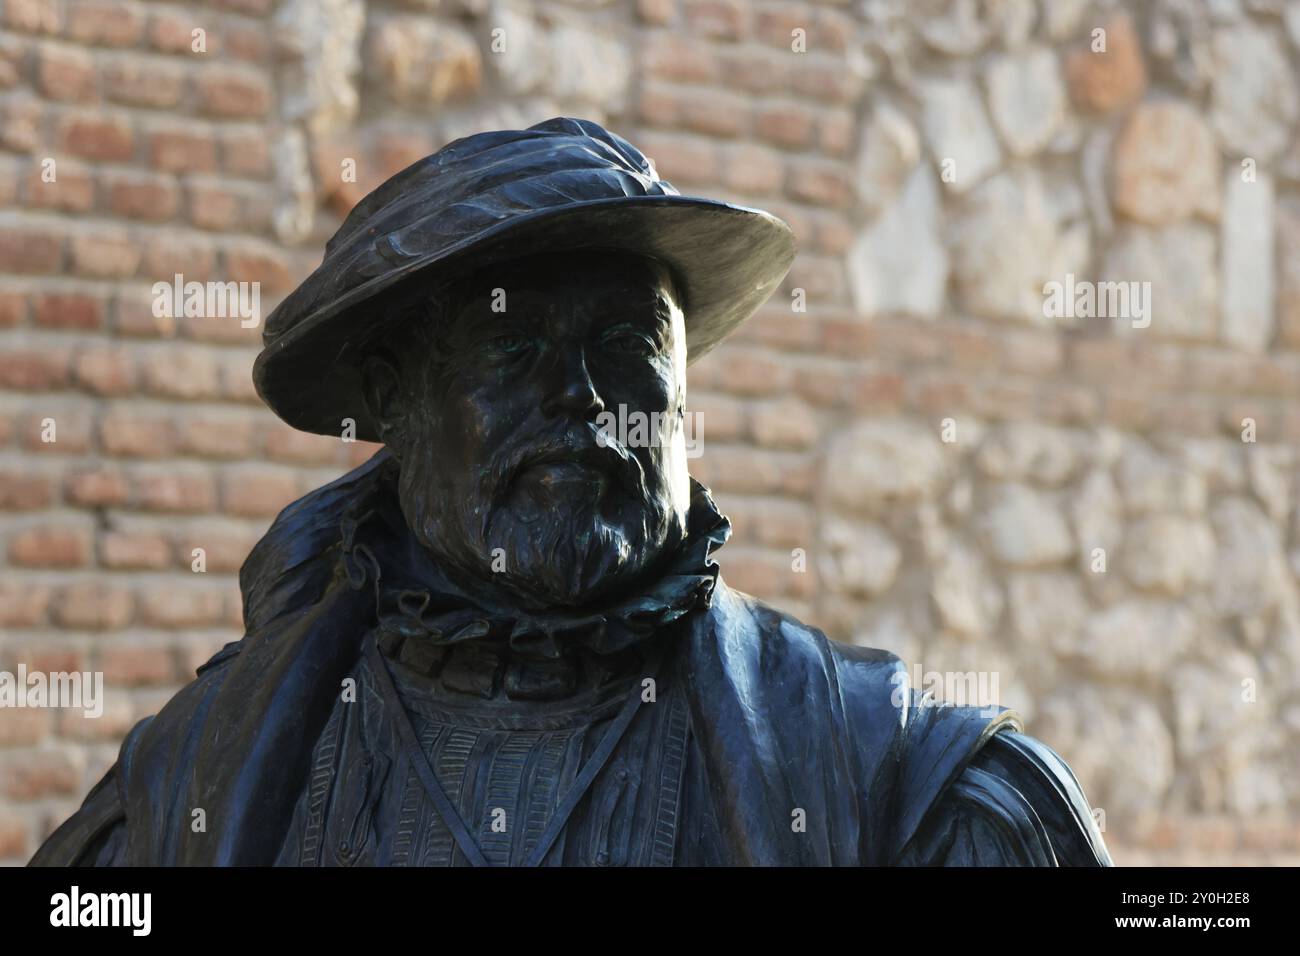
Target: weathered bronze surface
504, 639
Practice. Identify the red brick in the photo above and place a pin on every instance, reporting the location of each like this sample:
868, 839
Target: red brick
30, 251
10, 179
658, 105
878, 392
68, 311
133, 316
682, 160
104, 23
228, 330
32, 774
169, 253
13, 57
104, 370
137, 82
761, 573
176, 606
14, 837
716, 19
247, 44
173, 32
93, 606
833, 234
787, 125
23, 727
290, 445
360, 452
656, 12
254, 8
128, 433
47, 656
751, 373
20, 117
257, 492
105, 254
51, 546
822, 184
71, 431
673, 56
25, 491
133, 665
182, 150
116, 718
180, 372
783, 424
148, 197
224, 547
178, 492
96, 137
13, 309
217, 437
754, 71
72, 189
245, 153
775, 26
23, 603
33, 16
97, 486
65, 73
232, 94
395, 150
825, 80
237, 378
716, 113
142, 550
264, 264
836, 133
41, 370
213, 207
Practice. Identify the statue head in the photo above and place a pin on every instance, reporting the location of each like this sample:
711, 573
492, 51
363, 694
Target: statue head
501, 398
493, 313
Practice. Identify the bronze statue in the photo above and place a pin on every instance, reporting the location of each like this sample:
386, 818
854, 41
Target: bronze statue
504, 640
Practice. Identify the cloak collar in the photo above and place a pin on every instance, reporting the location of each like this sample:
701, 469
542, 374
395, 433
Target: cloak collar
415, 597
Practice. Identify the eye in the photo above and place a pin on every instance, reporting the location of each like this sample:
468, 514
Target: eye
509, 344
628, 342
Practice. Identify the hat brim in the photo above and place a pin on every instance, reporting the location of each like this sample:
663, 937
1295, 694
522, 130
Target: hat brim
726, 259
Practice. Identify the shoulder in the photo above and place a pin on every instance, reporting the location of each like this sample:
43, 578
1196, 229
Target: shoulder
860, 672
902, 749
1015, 803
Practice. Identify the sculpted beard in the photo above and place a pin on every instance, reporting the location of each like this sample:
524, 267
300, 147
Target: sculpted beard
558, 551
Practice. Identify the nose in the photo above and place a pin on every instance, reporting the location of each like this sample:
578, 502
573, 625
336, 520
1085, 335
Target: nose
571, 389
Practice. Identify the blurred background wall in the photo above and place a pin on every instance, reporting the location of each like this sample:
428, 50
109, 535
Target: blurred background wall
913, 455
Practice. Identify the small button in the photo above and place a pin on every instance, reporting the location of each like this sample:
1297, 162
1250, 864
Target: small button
602, 858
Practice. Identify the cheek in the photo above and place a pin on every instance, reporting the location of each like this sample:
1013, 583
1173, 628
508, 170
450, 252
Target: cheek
481, 419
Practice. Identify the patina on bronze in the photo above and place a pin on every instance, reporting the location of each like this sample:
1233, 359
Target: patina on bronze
504, 640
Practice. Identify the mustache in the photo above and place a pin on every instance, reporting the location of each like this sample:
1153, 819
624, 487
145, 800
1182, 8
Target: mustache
579, 442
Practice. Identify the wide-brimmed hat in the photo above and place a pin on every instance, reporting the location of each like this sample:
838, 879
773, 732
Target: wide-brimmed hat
564, 184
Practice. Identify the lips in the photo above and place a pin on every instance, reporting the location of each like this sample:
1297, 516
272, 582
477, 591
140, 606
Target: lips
553, 474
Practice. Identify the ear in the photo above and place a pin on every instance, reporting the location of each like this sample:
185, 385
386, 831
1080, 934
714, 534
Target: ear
381, 386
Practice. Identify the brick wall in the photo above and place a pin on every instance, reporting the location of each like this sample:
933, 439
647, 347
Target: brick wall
912, 455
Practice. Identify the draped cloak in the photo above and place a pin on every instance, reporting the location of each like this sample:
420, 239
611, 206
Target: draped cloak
802, 750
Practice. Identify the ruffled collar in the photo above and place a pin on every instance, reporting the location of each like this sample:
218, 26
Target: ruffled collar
415, 598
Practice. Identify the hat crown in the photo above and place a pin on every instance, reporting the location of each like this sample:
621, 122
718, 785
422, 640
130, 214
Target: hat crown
471, 184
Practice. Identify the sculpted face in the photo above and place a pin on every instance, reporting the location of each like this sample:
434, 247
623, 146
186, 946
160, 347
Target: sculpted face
500, 416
